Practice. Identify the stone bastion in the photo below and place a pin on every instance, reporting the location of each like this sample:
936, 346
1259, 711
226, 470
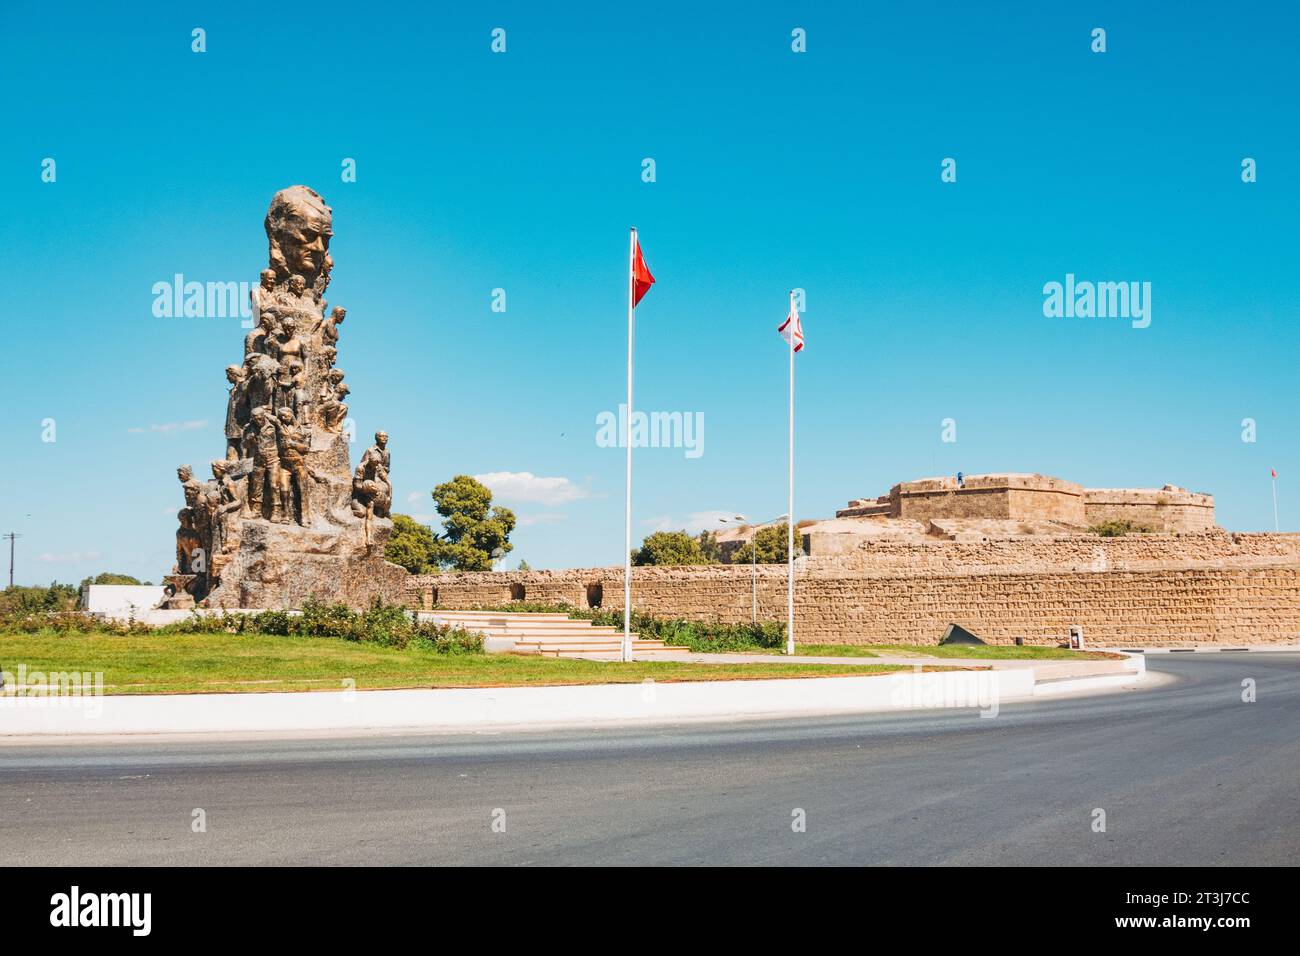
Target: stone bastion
1007, 556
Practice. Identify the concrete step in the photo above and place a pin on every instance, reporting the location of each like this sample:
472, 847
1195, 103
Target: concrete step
550, 634
665, 653
503, 615
558, 627
589, 645
524, 634
562, 631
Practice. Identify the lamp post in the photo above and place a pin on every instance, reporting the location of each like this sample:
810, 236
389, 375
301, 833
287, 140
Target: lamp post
753, 556
753, 568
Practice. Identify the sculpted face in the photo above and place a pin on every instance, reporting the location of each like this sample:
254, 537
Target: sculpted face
184, 473
299, 226
381, 439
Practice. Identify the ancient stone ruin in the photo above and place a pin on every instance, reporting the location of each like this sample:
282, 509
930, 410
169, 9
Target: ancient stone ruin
284, 517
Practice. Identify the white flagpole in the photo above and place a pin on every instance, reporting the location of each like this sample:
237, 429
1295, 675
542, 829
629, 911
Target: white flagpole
789, 598
627, 437
1275, 524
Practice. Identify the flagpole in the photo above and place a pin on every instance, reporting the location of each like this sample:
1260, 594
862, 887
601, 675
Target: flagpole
1275, 524
627, 437
789, 511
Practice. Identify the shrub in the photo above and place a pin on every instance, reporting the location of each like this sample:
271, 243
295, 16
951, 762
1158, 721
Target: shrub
1116, 528
36, 599
386, 624
445, 639
328, 620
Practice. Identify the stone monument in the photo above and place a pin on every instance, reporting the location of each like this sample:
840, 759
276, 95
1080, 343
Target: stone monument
284, 517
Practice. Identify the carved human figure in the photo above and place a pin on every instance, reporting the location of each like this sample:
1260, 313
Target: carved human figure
255, 341
372, 493
289, 381
260, 380
190, 485
236, 411
285, 343
187, 541
261, 296
264, 441
330, 330
226, 507
333, 410
198, 506
295, 442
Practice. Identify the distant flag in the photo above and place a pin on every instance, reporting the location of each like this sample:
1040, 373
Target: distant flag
1273, 471
642, 280
639, 281
792, 331
792, 326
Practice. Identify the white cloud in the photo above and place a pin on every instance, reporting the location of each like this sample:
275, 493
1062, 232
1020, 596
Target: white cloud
417, 495
542, 517
694, 522
698, 521
525, 486
424, 519
170, 427
70, 557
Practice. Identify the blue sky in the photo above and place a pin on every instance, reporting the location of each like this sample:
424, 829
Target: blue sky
522, 171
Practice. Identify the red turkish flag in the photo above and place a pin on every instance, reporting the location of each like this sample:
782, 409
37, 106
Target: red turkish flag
642, 280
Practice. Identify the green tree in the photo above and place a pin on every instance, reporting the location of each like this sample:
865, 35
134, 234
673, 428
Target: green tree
709, 547
24, 599
771, 543
524, 566
475, 533
669, 547
109, 577
411, 545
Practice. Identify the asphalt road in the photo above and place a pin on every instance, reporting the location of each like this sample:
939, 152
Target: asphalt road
1186, 774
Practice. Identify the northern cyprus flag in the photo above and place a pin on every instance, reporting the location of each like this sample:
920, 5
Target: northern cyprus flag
792, 329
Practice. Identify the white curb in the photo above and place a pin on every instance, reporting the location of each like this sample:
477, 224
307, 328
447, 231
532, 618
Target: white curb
477, 708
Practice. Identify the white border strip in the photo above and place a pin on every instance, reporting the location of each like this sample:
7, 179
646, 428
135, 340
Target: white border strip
477, 708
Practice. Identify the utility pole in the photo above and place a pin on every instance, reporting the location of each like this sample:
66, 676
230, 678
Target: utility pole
12, 536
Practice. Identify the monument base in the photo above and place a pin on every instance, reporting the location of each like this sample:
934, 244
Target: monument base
282, 565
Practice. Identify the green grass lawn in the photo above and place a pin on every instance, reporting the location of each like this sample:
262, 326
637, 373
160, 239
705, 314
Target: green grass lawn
225, 663
990, 652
